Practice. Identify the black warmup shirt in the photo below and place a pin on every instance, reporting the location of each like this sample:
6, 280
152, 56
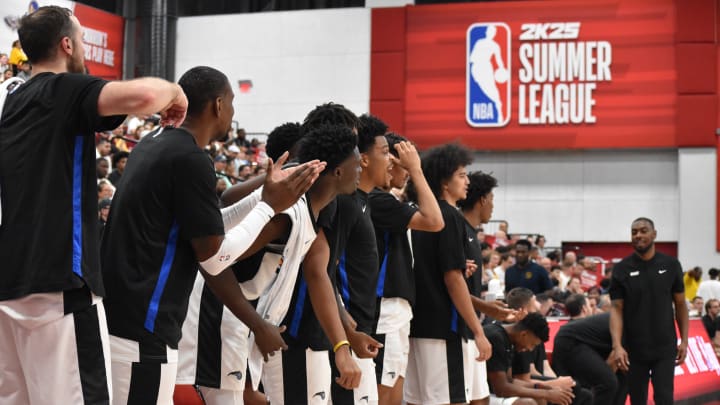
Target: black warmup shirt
357, 270
167, 198
502, 348
647, 288
434, 315
473, 251
593, 331
391, 219
531, 276
522, 360
49, 232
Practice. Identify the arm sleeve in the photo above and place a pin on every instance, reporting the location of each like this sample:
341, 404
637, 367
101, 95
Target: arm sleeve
80, 102
235, 213
389, 213
239, 239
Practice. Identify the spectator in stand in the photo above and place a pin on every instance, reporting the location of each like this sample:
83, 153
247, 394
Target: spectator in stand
240, 139
692, 279
4, 64
696, 307
118, 163
501, 239
545, 302
245, 172
105, 190
554, 257
24, 70
526, 273
220, 165
16, 56
546, 264
710, 289
103, 211
101, 168
574, 287
603, 304
8, 74
540, 243
711, 319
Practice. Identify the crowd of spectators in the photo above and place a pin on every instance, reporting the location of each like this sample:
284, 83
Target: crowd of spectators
572, 285
236, 159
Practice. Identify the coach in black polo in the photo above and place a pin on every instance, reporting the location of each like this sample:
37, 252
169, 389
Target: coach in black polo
643, 289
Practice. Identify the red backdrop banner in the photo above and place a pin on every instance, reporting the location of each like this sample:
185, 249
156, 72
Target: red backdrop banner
601, 74
103, 41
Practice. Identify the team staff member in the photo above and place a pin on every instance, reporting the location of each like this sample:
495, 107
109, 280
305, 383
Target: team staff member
396, 284
643, 288
581, 350
164, 220
53, 334
440, 366
526, 273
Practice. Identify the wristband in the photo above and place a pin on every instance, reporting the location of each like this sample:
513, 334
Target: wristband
340, 344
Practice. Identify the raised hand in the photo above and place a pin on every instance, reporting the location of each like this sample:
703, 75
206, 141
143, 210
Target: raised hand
174, 113
282, 190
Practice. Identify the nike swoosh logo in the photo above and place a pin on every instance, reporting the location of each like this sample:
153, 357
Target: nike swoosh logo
634, 273
661, 271
320, 394
470, 239
237, 374
391, 374
365, 398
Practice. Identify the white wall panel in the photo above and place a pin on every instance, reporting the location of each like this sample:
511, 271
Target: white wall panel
585, 195
296, 60
698, 205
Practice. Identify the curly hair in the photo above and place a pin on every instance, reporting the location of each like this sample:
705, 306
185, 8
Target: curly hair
439, 164
394, 139
330, 143
535, 323
481, 184
370, 127
329, 113
283, 138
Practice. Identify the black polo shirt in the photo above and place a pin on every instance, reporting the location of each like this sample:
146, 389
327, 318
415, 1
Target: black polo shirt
357, 270
435, 316
502, 348
49, 231
166, 199
391, 219
647, 288
531, 276
593, 331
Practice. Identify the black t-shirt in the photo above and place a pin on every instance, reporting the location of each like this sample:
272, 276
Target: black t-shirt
522, 360
357, 270
391, 219
49, 233
473, 251
435, 316
647, 288
531, 276
166, 199
711, 326
502, 348
593, 331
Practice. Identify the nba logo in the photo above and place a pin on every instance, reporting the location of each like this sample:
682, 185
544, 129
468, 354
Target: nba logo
488, 75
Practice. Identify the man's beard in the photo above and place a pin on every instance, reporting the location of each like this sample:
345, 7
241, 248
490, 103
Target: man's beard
644, 250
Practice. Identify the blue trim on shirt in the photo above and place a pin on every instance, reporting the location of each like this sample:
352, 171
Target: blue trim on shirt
297, 315
453, 318
162, 278
344, 285
383, 267
77, 206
